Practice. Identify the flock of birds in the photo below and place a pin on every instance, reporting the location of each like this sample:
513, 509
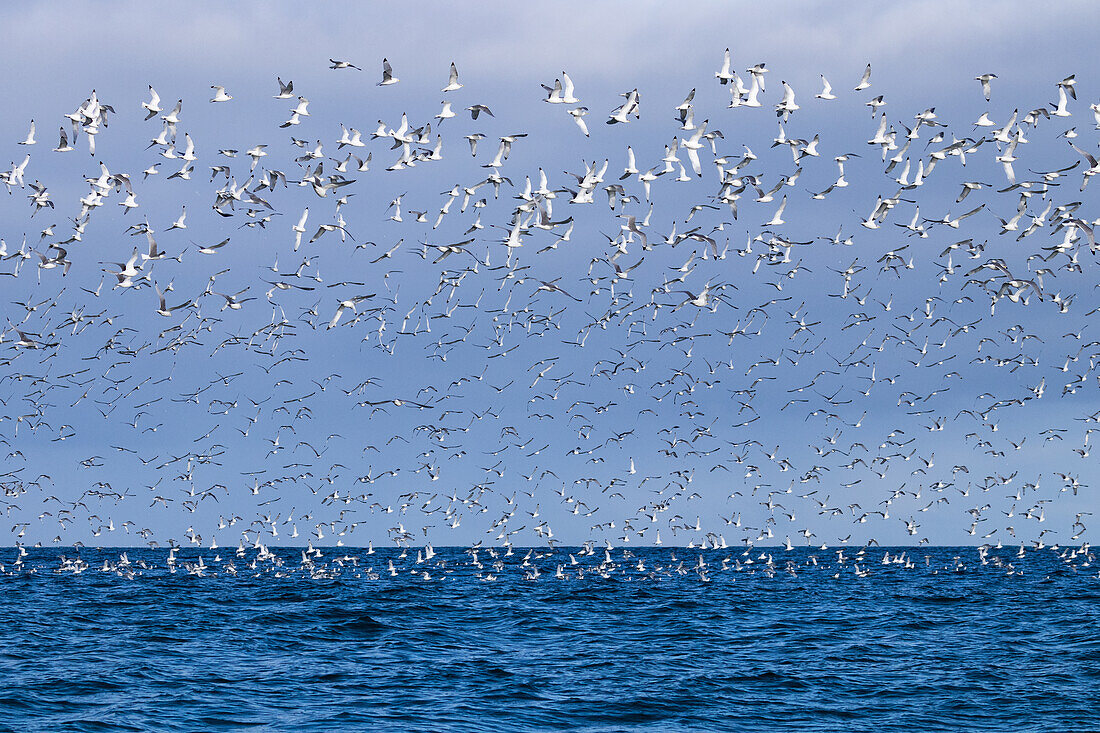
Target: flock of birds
488, 564
694, 350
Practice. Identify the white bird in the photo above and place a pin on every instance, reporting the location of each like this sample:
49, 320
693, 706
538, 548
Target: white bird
300, 228
219, 94
255, 154
623, 112
173, 117
452, 83
866, 80
286, 91
29, 140
153, 105
753, 92
163, 308
387, 74
553, 93
777, 219
1060, 109
567, 90
342, 65
787, 105
723, 75
578, 114
826, 89
179, 223
446, 113
477, 109
985, 79
63, 146
692, 145
631, 168
1007, 158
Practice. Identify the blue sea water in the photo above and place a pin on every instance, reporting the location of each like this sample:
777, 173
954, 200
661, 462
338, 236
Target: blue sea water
651, 639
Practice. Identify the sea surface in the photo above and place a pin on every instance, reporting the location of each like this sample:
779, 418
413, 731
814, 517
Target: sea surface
660, 639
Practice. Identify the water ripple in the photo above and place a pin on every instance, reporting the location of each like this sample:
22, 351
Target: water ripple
338, 647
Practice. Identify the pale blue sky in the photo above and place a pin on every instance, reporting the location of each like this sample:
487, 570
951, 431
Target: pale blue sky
923, 55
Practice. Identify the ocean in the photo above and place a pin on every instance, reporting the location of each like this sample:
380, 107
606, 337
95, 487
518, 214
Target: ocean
660, 639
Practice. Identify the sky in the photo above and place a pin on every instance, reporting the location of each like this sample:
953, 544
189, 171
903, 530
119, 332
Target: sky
540, 404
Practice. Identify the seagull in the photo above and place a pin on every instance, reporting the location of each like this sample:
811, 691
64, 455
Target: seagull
63, 146
179, 223
478, 109
286, 91
212, 248
452, 83
387, 74
446, 113
342, 65
567, 96
865, 82
787, 105
723, 75
1060, 108
219, 94
473, 140
300, 229
234, 301
153, 105
984, 79
693, 145
348, 304
553, 287
777, 218
29, 139
554, 93
255, 154
578, 114
623, 112
163, 309
173, 117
